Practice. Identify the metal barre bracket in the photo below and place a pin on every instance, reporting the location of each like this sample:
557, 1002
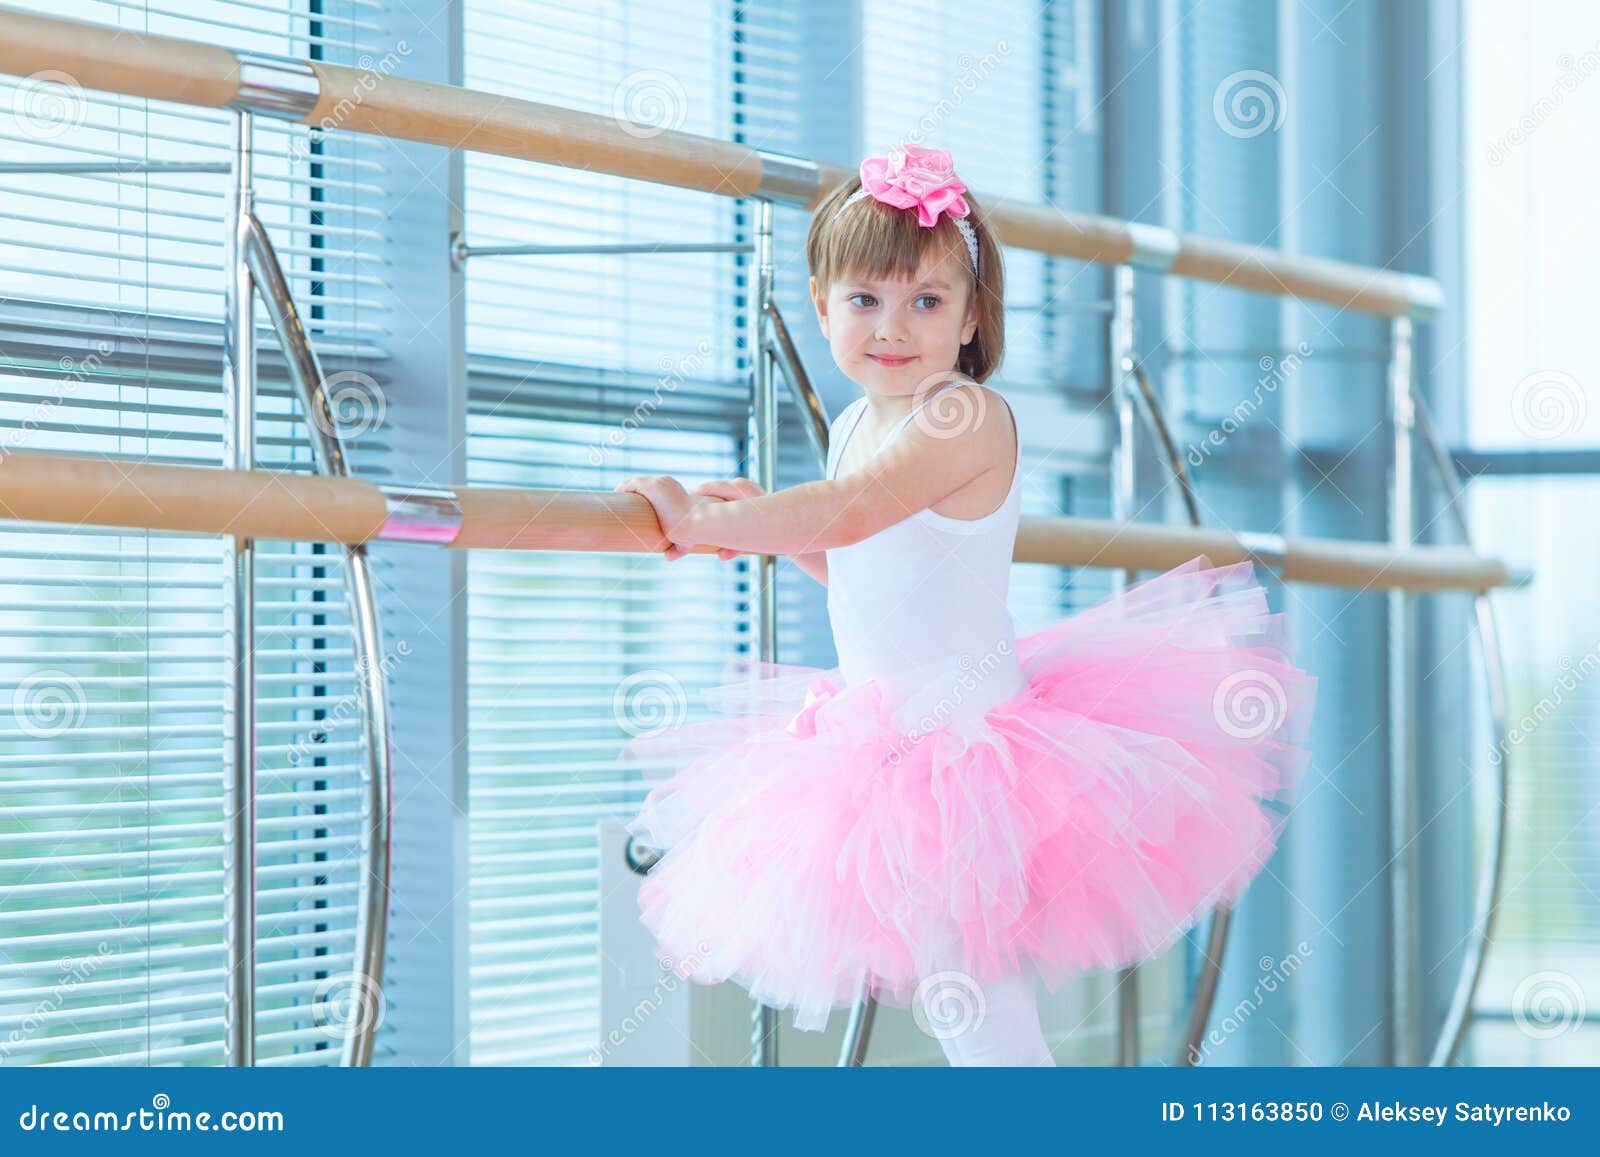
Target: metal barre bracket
279, 87
430, 514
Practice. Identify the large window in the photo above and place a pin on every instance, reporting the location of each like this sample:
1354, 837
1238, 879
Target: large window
113, 653
1534, 421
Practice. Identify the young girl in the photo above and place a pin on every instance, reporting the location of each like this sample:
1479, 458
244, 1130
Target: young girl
952, 810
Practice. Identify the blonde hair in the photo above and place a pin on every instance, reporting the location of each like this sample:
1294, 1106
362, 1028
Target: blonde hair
873, 240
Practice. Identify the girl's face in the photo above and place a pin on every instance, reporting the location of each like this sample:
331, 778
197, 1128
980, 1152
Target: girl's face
889, 336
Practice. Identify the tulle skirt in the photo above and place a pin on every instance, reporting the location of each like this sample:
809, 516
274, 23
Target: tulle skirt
816, 850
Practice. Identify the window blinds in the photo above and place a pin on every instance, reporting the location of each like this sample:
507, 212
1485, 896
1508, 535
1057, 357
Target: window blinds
585, 370
113, 659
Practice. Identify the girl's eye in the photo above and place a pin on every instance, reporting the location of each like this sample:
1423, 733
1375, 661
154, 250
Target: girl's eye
933, 297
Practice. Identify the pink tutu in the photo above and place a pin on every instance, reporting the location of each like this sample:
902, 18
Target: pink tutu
814, 852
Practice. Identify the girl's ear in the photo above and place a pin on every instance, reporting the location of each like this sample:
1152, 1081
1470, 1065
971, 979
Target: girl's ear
821, 304
970, 326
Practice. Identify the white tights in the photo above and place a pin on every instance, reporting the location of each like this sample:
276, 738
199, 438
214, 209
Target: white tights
993, 1024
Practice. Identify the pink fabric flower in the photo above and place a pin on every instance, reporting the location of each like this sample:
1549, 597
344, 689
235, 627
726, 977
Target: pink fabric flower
914, 176
818, 692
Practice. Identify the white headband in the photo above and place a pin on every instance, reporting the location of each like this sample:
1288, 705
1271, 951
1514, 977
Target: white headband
961, 223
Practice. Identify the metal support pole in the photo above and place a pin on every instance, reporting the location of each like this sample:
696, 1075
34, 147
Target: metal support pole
239, 725
1123, 496
1405, 955
763, 442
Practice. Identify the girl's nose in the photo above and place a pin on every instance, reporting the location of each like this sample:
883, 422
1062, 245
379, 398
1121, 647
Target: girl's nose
891, 328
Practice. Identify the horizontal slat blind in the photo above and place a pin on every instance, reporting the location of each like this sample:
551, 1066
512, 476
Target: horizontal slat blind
155, 241
112, 650
585, 370
665, 315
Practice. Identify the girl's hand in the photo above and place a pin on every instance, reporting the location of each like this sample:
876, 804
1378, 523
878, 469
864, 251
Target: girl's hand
725, 490
671, 503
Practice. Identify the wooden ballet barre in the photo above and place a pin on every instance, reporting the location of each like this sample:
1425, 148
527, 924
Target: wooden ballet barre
166, 68
1065, 541
258, 504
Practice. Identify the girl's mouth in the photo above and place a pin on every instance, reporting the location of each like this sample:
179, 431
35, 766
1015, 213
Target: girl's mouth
889, 361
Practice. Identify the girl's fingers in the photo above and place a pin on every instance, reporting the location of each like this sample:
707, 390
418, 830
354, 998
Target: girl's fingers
729, 488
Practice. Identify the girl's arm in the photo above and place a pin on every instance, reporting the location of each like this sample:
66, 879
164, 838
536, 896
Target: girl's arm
917, 470
814, 563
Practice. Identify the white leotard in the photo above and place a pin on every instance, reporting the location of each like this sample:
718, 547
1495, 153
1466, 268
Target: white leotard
921, 606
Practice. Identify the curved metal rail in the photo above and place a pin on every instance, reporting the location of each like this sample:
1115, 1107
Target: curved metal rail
1449, 1042
1488, 636
1204, 992
372, 904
